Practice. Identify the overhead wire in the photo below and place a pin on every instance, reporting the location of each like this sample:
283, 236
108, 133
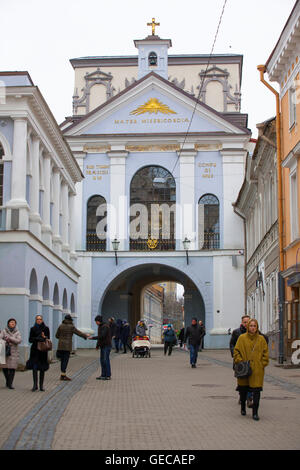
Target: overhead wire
201, 84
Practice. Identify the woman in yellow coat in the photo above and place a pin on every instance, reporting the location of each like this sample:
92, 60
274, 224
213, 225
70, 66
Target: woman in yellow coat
252, 346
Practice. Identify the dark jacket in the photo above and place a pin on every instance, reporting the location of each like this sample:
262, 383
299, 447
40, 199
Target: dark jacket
125, 333
65, 334
104, 335
118, 329
113, 327
169, 336
237, 333
181, 335
38, 359
235, 336
194, 334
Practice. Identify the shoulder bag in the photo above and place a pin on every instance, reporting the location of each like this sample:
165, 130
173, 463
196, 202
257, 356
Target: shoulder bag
45, 346
243, 369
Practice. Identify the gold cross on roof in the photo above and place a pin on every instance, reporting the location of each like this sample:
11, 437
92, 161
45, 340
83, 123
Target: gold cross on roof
153, 24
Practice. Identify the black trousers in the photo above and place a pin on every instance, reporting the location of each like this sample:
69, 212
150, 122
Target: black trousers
9, 376
168, 346
64, 358
256, 399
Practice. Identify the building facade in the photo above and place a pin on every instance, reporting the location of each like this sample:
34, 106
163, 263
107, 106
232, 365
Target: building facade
283, 67
161, 167
257, 204
38, 175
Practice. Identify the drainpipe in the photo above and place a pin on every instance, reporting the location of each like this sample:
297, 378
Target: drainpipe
245, 255
281, 285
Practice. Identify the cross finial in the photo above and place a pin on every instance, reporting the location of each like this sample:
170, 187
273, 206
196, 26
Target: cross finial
153, 24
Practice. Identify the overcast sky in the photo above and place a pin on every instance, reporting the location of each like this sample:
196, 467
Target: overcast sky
41, 36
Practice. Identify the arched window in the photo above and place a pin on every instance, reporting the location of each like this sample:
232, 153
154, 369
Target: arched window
33, 283
152, 58
65, 300
96, 227
72, 304
152, 209
56, 295
209, 222
45, 290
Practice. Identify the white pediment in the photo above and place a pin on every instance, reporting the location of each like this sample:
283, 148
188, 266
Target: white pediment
152, 105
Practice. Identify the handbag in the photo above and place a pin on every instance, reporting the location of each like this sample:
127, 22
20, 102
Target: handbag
7, 350
242, 369
45, 346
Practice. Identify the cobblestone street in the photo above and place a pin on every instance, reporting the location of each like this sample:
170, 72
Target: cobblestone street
156, 403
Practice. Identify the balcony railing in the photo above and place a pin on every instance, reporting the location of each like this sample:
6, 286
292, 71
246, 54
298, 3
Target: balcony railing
152, 245
210, 241
93, 243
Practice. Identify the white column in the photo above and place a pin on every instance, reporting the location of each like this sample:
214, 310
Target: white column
117, 223
34, 217
72, 228
233, 175
65, 221
78, 205
57, 242
46, 227
18, 177
186, 222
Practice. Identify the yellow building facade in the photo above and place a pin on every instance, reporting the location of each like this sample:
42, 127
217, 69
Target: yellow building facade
283, 67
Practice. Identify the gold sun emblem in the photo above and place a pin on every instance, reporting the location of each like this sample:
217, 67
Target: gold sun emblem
153, 106
152, 243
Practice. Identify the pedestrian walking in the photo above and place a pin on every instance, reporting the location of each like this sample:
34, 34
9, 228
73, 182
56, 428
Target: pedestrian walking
12, 337
181, 337
251, 346
38, 360
64, 334
203, 333
104, 344
118, 331
169, 340
193, 335
112, 324
125, 334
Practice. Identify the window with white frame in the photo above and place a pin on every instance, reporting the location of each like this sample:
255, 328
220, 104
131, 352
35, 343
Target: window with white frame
294, 204
292, 105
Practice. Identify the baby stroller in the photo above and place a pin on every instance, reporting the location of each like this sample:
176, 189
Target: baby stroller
141, 346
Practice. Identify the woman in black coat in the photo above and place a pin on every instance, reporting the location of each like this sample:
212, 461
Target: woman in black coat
38, 360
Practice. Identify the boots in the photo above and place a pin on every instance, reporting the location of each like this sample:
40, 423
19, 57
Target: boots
256, 398
42, 375
10, 379
35, 380
5, 372
243, 398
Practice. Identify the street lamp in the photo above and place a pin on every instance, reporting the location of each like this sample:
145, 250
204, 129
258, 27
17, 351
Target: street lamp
115, 244
186, 244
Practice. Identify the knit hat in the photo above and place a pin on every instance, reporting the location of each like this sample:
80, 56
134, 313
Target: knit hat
68, 317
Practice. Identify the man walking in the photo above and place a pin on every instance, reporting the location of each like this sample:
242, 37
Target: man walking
104, 343
193, 335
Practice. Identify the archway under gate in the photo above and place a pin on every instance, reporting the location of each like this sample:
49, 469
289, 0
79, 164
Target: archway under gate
122, 298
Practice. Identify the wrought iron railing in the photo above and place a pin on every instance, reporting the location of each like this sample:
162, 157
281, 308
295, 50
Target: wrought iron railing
210, 241
94, 243
152, 245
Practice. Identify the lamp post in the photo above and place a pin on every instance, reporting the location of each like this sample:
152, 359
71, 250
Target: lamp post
186, 244
115, 244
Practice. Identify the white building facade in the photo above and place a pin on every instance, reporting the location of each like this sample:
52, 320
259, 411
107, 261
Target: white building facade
142, 138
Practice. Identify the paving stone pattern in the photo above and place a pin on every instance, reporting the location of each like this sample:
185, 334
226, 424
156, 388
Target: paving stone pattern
157, 403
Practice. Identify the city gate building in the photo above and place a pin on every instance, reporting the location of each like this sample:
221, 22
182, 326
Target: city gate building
143, 139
